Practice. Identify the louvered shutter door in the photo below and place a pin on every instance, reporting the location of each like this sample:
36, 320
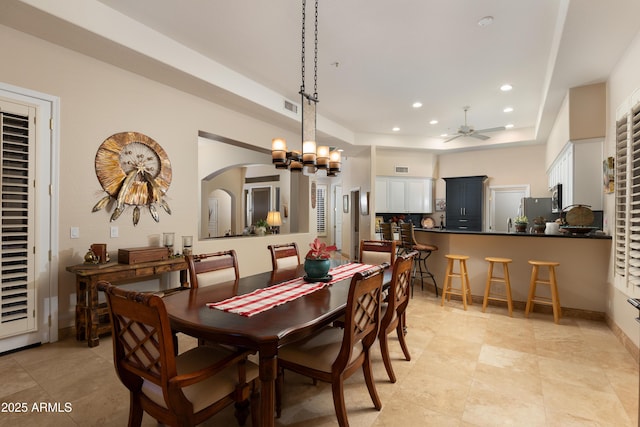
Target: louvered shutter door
621, 197
634, 200
18, 282
321, 204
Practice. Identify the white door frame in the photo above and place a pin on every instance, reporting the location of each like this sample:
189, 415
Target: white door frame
336, 214
47, 227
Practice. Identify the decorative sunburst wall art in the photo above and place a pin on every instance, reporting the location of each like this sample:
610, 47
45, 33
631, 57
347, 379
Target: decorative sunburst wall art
133, 170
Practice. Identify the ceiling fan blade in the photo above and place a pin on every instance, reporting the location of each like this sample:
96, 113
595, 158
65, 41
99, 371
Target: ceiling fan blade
491, 129
479, 136
452, 138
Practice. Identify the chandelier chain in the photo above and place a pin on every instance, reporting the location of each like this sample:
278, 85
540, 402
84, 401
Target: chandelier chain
313, 98
315, 57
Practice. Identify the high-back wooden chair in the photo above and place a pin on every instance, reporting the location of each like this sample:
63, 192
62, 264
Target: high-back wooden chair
334, 354
213, 268
409, 243
183, 390
377, 251
387, 233
394, 310
284, 255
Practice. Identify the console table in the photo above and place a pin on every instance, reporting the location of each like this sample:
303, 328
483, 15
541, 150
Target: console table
92, 318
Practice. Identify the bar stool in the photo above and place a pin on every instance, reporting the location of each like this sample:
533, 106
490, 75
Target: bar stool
554, 301
410, 244
504, 279
464, 289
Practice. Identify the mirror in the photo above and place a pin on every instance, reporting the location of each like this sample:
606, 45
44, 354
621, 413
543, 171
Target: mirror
238, 187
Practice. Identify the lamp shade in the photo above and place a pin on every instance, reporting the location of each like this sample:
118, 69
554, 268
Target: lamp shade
322, 159
335, 162
309, 153
278, 151
274, 219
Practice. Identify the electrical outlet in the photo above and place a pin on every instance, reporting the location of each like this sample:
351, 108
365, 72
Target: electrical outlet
75, 232
114, 231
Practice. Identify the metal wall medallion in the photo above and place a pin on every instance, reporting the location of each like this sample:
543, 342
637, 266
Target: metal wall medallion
133, 170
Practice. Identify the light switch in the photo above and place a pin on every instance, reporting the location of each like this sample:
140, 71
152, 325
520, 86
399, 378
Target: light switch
114, 231
75, 232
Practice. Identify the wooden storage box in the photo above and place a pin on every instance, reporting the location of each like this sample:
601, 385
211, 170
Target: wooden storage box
138, 255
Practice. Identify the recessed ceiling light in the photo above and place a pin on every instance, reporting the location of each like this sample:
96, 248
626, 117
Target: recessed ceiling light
444, 134
433, 122
508, 109
395, 129
506, 87
417, 104
487, 20
509, 126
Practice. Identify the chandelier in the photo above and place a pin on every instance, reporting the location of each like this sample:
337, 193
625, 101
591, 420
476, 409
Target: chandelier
312, 157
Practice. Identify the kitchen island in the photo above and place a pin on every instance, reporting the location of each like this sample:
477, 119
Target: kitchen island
582, 274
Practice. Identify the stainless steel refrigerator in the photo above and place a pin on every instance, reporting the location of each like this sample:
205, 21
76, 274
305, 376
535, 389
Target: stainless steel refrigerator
533, 207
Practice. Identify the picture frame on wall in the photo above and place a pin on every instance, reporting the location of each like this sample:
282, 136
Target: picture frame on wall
364, 203
345, 203
608, 175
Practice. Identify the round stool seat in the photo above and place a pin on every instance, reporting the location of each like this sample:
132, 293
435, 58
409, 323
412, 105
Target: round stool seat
457, 257
498, 259
424, 247
543, 263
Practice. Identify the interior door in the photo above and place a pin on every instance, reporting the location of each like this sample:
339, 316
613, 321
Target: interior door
504, 204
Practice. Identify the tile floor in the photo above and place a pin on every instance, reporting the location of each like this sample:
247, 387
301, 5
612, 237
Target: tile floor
467, 369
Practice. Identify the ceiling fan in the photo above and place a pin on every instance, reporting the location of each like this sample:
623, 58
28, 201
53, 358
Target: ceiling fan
466, 130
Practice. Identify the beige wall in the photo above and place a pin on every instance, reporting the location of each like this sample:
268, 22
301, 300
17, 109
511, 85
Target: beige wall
98, 100
503, 166
587, 111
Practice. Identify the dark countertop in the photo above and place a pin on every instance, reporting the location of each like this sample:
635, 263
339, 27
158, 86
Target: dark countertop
488, 233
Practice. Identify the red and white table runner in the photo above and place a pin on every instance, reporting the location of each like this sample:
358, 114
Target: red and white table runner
263, 299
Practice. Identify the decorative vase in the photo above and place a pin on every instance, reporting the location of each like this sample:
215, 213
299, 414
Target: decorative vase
521, 227
317, 268
539, 228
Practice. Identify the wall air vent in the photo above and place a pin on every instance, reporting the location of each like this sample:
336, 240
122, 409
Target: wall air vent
402, 169
288, 105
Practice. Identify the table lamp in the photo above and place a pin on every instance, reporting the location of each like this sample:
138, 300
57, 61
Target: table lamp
275, 221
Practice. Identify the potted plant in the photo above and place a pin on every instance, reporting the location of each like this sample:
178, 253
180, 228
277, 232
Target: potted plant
521, 223
261, 227
316, 261
539, 224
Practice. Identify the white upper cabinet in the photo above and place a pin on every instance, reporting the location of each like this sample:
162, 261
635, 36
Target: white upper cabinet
404, 195
579, 169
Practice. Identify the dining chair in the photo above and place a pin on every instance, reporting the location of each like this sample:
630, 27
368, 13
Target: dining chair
377, 251
409, 244
285, 255
182, 390
334, 354
210, 269
394, 310
387, 233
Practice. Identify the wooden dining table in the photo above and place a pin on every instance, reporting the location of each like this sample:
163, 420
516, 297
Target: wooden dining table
264, 332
